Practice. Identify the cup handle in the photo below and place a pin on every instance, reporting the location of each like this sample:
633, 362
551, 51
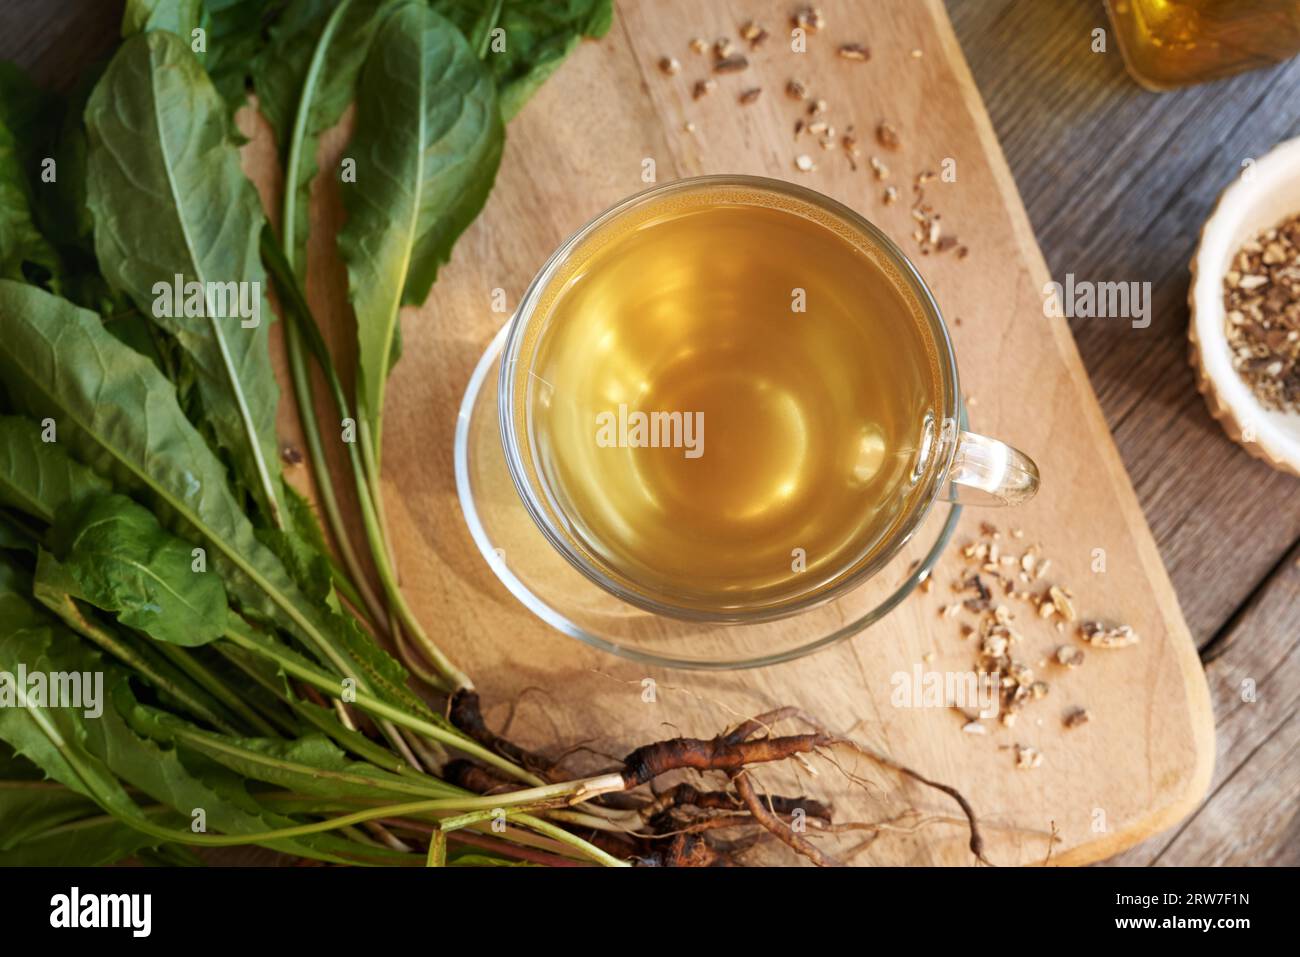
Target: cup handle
988, 472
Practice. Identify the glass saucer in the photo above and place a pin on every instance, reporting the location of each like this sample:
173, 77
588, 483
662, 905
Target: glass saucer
557, 593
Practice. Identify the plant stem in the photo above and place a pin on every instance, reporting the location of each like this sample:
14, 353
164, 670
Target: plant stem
480, 43
450, 824
246, 419
203, 741
522, 844
370, 459
365, 476
478, 820
430, 752
372, 519
298, 371
139, 659
353, 741
408, 656
359, 817
366, 702
206, 680
572, 840
298, 136
298, 315
301, 378
437, 856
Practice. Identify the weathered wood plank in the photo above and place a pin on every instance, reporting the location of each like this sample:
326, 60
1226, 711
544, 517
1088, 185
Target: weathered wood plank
1250, 814
1041, 156
55, 41
1117, 182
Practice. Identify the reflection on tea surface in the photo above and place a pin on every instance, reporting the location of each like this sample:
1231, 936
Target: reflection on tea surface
727, 398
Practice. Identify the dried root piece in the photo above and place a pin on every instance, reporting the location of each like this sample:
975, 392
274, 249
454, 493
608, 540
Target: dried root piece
809, 18
1077, 718
754, 33
474, 777
687, 795
778, 828
691, 850
732, 64
1261, 303
712, 754
734, 752
1028, 758
466, 714
1100, 635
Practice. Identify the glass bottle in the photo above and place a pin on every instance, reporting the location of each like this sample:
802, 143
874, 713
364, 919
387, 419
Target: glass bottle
1171, 43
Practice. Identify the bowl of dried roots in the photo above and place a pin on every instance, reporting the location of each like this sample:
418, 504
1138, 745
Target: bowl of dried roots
1245, 308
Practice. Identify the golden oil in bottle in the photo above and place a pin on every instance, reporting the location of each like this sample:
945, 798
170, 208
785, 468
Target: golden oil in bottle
1171, 43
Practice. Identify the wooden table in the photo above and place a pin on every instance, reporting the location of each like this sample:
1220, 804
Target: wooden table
1117, 182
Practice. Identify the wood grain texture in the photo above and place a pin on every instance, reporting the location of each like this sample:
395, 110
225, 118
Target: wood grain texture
55, 41
1251, 815
1071, 125
1117, 182
577, 148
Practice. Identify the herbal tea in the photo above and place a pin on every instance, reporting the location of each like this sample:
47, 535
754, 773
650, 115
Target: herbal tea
727, 397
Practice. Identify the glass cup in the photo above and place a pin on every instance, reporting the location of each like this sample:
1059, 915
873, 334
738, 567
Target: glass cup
949, 463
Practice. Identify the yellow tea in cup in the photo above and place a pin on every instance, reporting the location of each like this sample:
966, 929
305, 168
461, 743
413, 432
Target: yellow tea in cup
730, 397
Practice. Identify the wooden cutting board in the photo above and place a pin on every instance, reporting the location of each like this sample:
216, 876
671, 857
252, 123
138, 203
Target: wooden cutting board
1143, 760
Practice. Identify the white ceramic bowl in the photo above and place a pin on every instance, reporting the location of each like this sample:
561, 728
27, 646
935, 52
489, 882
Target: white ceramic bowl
1266, 194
